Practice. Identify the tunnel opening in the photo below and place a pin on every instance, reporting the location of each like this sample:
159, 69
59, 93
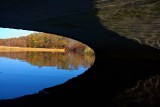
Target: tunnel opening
39, 60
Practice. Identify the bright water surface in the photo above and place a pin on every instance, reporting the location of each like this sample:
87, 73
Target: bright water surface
23, 73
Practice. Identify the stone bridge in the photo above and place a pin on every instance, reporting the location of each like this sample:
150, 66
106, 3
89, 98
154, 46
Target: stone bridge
119, 64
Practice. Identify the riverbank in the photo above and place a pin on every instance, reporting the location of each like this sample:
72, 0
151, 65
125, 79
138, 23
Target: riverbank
17, 49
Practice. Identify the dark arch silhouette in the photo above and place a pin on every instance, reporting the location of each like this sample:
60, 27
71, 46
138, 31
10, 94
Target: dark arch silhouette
119, 62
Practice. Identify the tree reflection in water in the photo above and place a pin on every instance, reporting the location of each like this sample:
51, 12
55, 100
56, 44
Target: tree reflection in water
68, 61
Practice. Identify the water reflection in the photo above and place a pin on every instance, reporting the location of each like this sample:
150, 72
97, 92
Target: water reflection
69, 61
146, 93
25, 73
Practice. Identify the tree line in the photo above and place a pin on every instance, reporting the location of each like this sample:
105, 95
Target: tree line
45, 40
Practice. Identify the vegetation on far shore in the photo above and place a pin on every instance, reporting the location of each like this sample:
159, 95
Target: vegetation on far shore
17, 49
44, 42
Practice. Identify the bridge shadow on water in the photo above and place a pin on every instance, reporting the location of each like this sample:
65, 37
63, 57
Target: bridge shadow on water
119, 65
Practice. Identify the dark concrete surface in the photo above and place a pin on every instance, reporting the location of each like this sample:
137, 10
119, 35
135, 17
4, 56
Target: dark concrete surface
119, 63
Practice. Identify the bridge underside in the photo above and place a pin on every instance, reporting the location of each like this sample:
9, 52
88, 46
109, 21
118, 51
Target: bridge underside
119, 63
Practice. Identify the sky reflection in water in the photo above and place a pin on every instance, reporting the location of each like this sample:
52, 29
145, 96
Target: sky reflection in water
21, 77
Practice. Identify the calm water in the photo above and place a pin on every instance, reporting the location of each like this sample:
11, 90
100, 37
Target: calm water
23, 73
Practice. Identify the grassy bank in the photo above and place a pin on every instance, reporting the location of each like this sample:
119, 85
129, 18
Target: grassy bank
17, 49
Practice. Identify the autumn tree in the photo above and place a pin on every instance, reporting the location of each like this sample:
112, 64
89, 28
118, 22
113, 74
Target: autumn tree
44, 40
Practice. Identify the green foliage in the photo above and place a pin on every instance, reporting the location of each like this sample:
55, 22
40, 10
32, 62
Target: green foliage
88, 50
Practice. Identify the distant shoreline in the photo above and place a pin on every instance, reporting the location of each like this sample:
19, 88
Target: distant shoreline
18, 49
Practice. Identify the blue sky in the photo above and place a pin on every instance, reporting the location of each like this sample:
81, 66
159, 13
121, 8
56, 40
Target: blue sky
10, 33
